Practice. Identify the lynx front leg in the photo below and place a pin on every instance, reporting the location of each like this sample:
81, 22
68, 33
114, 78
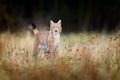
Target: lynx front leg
35, 51
52, 53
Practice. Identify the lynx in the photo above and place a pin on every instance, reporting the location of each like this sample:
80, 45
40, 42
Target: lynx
48, 40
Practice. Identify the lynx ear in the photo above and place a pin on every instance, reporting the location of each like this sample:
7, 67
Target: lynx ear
51, 23
59, 22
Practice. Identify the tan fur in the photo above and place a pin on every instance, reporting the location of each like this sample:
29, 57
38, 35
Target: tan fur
35, 30
48, 40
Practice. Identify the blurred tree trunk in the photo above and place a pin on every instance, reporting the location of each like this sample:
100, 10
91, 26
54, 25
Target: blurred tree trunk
55, 8
7, 19
84, 14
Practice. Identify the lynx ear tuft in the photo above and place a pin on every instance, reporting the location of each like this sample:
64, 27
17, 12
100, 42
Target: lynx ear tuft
51, 22
59, 22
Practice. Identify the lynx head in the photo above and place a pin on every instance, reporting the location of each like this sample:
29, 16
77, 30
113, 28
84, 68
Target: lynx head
55, 28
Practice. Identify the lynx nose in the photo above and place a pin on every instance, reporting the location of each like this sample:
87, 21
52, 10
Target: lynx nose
55, 30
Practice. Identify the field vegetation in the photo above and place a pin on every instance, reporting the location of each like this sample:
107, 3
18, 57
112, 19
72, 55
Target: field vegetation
81, 56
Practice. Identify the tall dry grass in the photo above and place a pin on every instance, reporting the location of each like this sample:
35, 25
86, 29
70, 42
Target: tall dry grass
82, 56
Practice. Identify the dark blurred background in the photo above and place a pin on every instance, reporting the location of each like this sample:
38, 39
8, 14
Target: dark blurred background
76, 15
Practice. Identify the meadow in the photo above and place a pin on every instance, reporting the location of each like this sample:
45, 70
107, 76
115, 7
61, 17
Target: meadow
81, 56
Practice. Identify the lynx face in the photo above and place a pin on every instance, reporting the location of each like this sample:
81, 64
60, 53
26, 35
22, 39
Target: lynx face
48, 40
55, 28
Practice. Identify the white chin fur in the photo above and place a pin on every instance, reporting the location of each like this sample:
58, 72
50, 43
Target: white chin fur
55, 33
